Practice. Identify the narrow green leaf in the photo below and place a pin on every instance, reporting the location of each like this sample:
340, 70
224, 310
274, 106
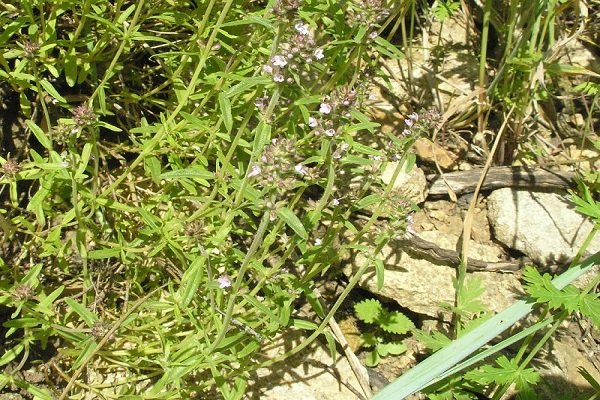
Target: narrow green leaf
71, 68
195, 173
246, 84
190, 282
52, 91
331, 344
380, 273
292, 221
31, 278
85, 158
11, 354
436, 365
388, 49
88, 347
104, 253
367, 201
44, 306
304, 324
83, 312
225, 106
39, 134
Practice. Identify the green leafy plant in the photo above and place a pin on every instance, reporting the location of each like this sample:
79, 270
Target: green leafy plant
171, 159
387, 324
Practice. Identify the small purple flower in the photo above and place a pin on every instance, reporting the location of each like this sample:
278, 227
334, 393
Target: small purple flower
254, 171
373, 34
330, 132
336, 202
318, 242
319, 54
344, 146
300, 169
278, 78
224, 281
406, 132
312, 122
301, 28
325, 108
414, 116
279, 61
268, 69
409, 122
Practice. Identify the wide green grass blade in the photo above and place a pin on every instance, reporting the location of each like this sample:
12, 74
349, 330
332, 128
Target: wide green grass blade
428, 371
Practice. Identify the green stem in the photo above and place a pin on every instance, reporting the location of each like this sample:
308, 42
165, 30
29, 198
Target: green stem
239, 281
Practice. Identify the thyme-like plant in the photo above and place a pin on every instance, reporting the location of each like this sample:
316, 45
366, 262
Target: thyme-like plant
173, 184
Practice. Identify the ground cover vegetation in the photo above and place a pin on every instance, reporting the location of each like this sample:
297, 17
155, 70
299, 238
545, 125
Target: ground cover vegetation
174, 181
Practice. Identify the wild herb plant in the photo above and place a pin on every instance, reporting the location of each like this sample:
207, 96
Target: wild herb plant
175, 185
387, 323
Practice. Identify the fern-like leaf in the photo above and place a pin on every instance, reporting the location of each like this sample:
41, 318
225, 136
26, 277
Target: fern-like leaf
541, 288
434, 341
507, 372
470, 294
590, 307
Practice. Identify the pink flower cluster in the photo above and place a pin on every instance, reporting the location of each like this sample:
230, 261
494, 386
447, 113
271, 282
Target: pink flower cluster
299, 49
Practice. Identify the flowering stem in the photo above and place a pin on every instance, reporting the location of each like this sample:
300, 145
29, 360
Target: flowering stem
239, 281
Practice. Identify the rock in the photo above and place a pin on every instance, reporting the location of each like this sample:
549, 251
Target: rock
310, 374
422, 286
544, 226
411, 185
561, 376
432, 152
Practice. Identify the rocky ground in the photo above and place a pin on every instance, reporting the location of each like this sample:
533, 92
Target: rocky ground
522, 215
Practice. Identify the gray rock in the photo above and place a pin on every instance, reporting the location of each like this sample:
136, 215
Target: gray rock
543, 226
411, 185
422, 286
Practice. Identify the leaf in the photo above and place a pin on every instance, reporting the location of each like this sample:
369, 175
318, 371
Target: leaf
331, 343
388, 49
368, 340
369, 310
394, 348
52, 91
434, 341
39, 134
469, 296
372, 359
71, 67
396, 322
590, 307
190, 282
225, 106
247, 84
83, 312
367, 201
196, 173
379, 273
104, 253
508, 372
292, 221
541, 288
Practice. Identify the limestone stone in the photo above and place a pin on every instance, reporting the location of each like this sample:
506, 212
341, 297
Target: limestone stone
422, 286
543, 226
